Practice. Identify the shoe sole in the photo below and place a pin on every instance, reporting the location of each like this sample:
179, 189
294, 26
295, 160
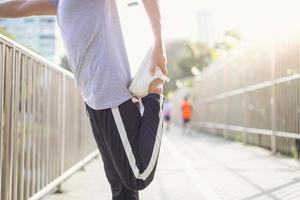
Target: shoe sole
141, 74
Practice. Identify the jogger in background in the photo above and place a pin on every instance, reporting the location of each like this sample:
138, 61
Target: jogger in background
186, 113
168, 106
128, 134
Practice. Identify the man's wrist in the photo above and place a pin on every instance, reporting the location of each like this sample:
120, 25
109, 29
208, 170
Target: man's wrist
158, 39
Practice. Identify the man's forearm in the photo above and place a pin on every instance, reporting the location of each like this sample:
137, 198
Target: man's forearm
24, 8
153, 11
11, 9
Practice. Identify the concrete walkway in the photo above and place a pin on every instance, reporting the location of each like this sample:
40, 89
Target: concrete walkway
199, 167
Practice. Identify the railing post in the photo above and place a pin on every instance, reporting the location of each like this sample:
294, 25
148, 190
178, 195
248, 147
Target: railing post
26, 126
245, 117
8, 123
244, 97
28, 133
226, 130
273, 100
33, 186
63, 124
1, 110
15, 123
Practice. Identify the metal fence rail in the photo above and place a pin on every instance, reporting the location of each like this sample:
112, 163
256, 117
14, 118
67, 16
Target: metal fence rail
44, 129
253, 95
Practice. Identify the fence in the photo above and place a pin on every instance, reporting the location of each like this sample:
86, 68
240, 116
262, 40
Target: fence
44, 132
253, 95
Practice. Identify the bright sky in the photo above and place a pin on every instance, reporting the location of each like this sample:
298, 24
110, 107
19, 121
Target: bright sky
253, 18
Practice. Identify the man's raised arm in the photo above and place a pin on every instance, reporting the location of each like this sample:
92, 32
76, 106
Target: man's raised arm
158, 58
24, 8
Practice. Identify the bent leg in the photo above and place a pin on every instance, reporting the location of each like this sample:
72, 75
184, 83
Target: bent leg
133, 140
141, 138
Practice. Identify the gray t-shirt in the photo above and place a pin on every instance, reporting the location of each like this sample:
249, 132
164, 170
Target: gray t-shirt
95, 47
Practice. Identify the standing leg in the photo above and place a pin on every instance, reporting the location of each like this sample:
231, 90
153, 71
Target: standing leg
167, 121
119, 191
183, 126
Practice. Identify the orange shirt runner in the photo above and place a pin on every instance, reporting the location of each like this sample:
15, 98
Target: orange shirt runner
186, 110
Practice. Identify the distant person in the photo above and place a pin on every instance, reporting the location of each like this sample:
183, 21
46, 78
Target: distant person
167, 113
186, 113
129, 142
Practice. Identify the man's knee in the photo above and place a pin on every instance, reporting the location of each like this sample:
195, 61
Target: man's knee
134, 184
138, 184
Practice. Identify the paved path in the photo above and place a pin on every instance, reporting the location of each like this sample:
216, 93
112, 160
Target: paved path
199, 167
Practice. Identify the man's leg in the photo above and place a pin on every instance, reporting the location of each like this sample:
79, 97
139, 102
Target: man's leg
167, 122
188, 125
140, 138
119, 191
133, 140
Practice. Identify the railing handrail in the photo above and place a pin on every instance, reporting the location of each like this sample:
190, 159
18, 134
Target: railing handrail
36, 55
252, 96
44, 136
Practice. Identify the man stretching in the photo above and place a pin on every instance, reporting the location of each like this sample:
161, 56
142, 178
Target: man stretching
128, 137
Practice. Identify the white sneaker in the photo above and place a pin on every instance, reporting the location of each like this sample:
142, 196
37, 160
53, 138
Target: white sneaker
140, 83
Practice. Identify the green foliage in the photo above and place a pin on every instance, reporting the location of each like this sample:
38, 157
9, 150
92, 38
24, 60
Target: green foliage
233, 33
182, 56
4, 32
294, 152
64, 63
238, 137
232, 38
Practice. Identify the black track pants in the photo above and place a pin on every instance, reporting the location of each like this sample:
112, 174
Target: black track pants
129, 138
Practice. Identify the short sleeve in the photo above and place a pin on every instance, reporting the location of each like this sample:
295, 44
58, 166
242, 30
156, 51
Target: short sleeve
54, 2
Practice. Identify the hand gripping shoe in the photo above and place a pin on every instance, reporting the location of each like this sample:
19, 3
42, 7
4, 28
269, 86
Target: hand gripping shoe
140, 83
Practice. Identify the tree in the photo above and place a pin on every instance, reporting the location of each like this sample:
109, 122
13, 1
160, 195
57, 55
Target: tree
64, 63
4, 32
182, 56
232, 38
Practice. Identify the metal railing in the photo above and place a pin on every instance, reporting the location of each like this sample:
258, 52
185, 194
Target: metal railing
253, 95
44, 134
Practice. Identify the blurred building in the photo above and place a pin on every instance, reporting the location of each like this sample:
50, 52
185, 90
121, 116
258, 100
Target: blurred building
206, 28
37, 33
